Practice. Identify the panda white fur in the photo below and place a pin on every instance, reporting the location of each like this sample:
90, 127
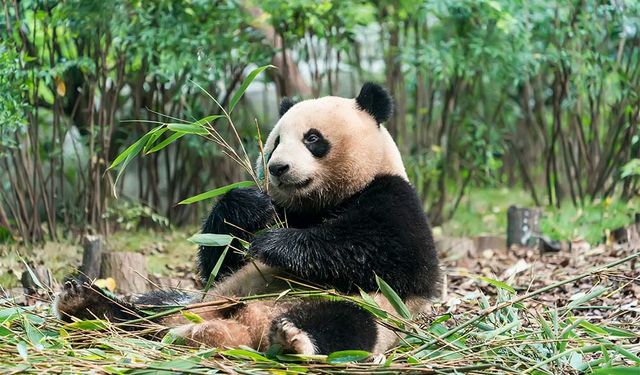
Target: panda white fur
337, 177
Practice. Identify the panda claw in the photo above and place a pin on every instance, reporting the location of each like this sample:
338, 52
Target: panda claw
291, 338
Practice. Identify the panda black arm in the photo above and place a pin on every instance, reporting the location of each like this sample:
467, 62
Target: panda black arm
240, 213
381, 231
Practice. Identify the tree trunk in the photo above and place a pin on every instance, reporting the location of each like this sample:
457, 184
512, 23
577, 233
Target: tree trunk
129, 270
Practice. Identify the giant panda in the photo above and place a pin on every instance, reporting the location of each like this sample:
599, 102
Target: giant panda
335, 176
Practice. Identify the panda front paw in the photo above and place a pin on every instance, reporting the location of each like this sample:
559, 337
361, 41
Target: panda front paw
248, 208
267, 245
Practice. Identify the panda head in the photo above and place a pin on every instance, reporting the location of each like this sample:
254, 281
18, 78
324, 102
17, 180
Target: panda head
322, 151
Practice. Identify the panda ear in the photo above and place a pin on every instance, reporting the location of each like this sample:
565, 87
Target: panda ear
375, 100
285, 104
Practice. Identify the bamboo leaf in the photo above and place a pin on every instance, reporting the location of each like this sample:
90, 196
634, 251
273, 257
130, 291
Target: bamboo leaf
216, 269
498, 284
166, 142
153, 138
245, 84
616, 371
194, 128
245, 354
134, 149
207, 120
87, 325
346, 356
586, 298
393, 298
215, 192
211, 239
192, 317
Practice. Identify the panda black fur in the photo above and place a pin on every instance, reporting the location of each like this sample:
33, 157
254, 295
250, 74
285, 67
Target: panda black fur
337, 177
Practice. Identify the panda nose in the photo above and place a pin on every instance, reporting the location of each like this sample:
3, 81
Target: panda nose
278, 170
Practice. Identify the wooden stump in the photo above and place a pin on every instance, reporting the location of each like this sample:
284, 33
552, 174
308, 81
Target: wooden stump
490, 243
523, 226
44, 279
626, 237
458, 250
92, 256
129, 270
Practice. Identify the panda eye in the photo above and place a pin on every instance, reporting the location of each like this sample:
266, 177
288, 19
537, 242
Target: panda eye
311, 138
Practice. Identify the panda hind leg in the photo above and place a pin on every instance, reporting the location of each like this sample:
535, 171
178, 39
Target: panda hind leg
249, 326
323, 327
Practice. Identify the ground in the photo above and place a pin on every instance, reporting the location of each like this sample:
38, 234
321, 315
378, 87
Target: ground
501, 311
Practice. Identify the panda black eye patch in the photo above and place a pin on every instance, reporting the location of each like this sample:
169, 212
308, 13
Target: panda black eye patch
316, 143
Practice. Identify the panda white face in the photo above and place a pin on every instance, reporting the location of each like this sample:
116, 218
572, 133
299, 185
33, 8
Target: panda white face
324, 150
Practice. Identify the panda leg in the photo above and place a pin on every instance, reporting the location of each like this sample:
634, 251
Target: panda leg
249, 327
215, 333
323, 327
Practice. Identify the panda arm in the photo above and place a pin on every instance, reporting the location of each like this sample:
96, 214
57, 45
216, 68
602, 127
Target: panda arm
240, 213
383, 232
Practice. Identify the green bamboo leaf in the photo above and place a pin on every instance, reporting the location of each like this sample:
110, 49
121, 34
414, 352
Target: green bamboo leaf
87, 325
192, 317
616, 371
166, 142
245, 354
215, 192
393, 298
127, 155
587, 297
194, 128
245, 84
592, 328
7, 315
624, 352
371, 305
216, 269
133, 149
211, 239
498, 284
22, 350
207, 120
620, 332
346, 356
153, 138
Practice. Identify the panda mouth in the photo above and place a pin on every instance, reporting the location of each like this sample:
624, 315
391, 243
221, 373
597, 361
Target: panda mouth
295, 185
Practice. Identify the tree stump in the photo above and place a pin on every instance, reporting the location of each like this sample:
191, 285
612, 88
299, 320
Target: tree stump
129, 270
523, 226
92, 256
490, 243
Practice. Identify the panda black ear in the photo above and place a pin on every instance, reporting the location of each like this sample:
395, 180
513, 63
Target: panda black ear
375, 100
285, 104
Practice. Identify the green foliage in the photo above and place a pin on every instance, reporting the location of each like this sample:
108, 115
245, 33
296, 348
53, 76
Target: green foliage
128, 215
539, 96
484, 212
591, 222
13, 81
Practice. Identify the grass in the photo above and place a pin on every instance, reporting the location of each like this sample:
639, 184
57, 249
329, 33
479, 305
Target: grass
502, 332
484, 212
164, 251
